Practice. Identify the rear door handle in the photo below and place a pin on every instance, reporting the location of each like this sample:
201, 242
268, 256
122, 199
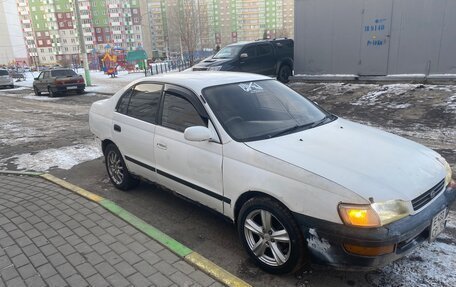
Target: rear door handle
162, 146
117, 128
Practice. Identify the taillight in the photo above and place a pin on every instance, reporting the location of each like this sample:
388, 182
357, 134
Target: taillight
81, 80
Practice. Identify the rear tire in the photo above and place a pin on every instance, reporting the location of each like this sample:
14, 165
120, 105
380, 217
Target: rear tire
117, 170
79, 92
270, 235
284, 74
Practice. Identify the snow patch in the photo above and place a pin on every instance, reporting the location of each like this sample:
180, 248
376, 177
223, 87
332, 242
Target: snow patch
64, 158
372, 98
40, 98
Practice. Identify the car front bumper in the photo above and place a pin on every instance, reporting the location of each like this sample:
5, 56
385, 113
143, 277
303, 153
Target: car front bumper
325, 240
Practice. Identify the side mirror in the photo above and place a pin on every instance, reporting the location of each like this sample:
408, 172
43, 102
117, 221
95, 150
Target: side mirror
244, 55
197, 134
36, 79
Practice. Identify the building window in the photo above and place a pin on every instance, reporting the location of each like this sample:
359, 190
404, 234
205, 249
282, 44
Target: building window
40, 42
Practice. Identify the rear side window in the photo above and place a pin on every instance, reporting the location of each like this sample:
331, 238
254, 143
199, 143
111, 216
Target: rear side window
63, 73
3, 73
264, 50
143, 102
179, 113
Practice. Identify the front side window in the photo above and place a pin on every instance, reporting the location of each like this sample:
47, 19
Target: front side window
229, 52
258, 110
179, 113
250, 51
141, 102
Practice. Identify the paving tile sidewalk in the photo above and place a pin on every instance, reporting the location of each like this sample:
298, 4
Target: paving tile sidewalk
50, 236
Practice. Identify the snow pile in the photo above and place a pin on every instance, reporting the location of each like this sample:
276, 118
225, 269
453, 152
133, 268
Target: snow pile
394, 90
64, 158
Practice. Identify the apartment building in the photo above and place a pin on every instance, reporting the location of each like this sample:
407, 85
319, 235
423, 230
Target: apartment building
51, 36
12, 47
219, 22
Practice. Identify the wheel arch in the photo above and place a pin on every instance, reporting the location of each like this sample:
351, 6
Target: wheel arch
105, 143
287, 62
246, 196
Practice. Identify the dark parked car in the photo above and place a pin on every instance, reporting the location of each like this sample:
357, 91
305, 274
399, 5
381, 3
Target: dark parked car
58, 81
267, 57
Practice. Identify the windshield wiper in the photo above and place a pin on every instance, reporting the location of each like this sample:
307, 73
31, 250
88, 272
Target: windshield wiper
298, 127
289, 130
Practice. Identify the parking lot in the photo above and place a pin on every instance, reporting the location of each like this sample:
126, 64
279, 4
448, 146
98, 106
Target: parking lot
51, 134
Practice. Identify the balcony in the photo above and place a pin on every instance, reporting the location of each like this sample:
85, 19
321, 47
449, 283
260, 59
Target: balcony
113, 6
24, 12
85, 17
117, 32
116, 23
28, 30
86, 25
117, 41
26, 21
114, 15
87, 34
88, 43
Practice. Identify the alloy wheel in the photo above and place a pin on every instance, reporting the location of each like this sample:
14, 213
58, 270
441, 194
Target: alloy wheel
115, 167
267, 237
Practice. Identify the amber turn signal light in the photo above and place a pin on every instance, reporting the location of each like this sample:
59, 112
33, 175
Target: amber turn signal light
369, 251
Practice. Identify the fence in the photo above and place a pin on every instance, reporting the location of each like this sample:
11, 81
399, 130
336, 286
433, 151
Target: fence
166, 67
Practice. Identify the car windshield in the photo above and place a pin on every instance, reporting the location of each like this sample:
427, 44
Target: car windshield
262, 109
4, 73
63, 73
229, 52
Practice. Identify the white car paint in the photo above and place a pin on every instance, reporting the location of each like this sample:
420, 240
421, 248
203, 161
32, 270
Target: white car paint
330, 165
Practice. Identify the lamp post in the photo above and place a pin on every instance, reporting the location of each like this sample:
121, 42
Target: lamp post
82, 44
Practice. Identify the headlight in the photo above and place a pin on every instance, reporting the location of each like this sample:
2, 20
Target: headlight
449, 173
375, 214
214, 68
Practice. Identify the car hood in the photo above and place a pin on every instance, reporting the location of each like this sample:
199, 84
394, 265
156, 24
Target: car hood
211, 62
370, 162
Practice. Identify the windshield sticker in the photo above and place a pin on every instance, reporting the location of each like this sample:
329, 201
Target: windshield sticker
251, 87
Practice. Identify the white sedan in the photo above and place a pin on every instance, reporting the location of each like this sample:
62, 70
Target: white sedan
299, 182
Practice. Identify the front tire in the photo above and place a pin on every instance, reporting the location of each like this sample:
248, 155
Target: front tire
51, 92
117, 170
270, 235
37, 92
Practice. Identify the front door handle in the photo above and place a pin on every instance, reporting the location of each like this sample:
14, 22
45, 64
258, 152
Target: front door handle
117, 128
162, 146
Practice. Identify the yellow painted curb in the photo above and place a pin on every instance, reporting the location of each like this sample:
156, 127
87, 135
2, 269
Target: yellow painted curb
215, 271
194, 258
72, 187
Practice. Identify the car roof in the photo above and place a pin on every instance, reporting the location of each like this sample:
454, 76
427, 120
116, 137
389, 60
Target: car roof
197, 81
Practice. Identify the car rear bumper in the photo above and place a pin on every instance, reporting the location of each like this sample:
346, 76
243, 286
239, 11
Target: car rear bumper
68, 88
325, 240
6, 83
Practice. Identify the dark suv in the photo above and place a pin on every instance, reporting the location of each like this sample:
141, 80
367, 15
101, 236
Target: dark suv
58, 81
267, 57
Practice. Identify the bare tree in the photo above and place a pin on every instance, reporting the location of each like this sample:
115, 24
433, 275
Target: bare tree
282, 33
183, 21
